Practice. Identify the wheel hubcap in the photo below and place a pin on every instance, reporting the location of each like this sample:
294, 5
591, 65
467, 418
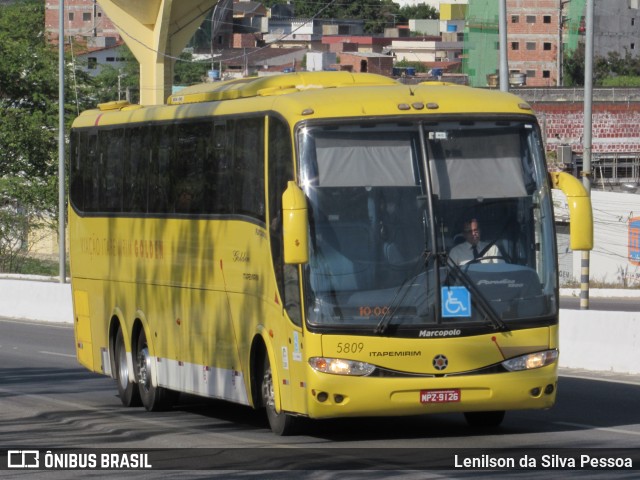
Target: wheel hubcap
144, 367
267, 390
123, 369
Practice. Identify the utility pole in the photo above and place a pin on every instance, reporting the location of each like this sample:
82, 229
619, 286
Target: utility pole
586, 142
62, 251
560, 49
119, 83
504, 64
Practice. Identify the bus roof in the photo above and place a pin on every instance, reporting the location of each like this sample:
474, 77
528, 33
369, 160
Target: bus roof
313, 95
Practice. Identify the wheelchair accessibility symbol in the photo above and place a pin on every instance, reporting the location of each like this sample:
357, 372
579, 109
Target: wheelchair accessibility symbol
456, 302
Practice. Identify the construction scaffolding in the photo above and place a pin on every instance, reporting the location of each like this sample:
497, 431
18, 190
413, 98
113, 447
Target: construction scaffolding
481, 42
574, 24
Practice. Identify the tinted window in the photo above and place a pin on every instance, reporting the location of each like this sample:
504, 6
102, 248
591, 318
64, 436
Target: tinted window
189, 167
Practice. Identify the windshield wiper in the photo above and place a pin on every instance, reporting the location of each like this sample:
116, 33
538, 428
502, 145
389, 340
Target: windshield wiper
389, 315
478, 297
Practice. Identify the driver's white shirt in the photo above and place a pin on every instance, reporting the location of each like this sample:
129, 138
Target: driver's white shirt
463, 253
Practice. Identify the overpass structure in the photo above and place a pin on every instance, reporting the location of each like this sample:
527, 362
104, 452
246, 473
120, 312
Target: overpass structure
156, 31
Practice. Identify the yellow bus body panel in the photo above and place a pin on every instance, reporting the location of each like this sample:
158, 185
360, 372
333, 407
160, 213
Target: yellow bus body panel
82, 326
202, 296
413, 360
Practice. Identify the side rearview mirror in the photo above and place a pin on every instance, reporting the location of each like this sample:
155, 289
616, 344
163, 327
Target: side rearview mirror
295, 225
580, 213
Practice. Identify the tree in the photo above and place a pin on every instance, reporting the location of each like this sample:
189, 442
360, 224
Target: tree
28, 130
573, 68
421, 11
377, 14
114, 83
188, 72
612, 70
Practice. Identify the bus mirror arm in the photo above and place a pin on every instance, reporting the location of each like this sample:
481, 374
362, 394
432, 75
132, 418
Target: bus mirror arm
295, 225
580, 213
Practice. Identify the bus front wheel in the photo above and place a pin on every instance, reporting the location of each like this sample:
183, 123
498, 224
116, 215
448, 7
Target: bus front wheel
280, 423
154, 399
127, 390
484, 419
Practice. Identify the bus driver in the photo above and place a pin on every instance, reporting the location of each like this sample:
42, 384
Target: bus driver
473, 248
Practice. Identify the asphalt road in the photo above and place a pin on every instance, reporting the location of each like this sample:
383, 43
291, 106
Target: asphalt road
48, 401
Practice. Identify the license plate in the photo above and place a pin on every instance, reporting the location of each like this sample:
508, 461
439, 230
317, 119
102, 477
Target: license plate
440, 396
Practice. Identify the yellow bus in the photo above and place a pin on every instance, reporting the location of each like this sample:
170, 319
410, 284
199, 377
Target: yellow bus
284, 243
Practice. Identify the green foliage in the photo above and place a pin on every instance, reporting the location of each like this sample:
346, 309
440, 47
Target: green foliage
106, 86
418, 66
28, 130
421, 11
377, 14
573, 68
610, 71
27, 73
35, 266
188, 72
623, 81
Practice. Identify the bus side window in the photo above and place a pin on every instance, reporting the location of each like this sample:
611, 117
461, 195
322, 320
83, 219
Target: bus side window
112, 151
187, 169
78, 152
159, 173
135, 170
248, 188
217, 167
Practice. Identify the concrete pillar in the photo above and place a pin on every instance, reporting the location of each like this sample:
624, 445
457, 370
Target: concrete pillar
156, 31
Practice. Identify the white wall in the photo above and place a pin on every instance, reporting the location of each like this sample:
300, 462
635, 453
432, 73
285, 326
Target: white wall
35, 298
615, 255
600, 341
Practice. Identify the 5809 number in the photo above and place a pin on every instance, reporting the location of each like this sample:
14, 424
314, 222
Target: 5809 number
353, 347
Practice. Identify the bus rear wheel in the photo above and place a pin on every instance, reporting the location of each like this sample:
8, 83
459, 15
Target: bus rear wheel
281, 423
154, 399
484, 419
127, 390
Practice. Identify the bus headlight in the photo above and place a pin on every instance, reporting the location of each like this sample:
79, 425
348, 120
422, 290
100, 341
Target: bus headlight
340, 366
531, 360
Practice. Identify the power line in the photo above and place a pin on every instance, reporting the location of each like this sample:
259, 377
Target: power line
268, 45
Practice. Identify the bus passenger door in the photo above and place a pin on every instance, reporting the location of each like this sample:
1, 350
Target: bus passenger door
293, 351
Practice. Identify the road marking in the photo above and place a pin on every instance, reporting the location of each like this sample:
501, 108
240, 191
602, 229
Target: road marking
59, 354
593, 427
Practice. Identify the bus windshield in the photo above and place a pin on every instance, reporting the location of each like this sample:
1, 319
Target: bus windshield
390, 202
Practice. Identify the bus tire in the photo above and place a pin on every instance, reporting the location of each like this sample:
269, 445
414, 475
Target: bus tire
127, 390
281, 423
154, 399
484, 419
